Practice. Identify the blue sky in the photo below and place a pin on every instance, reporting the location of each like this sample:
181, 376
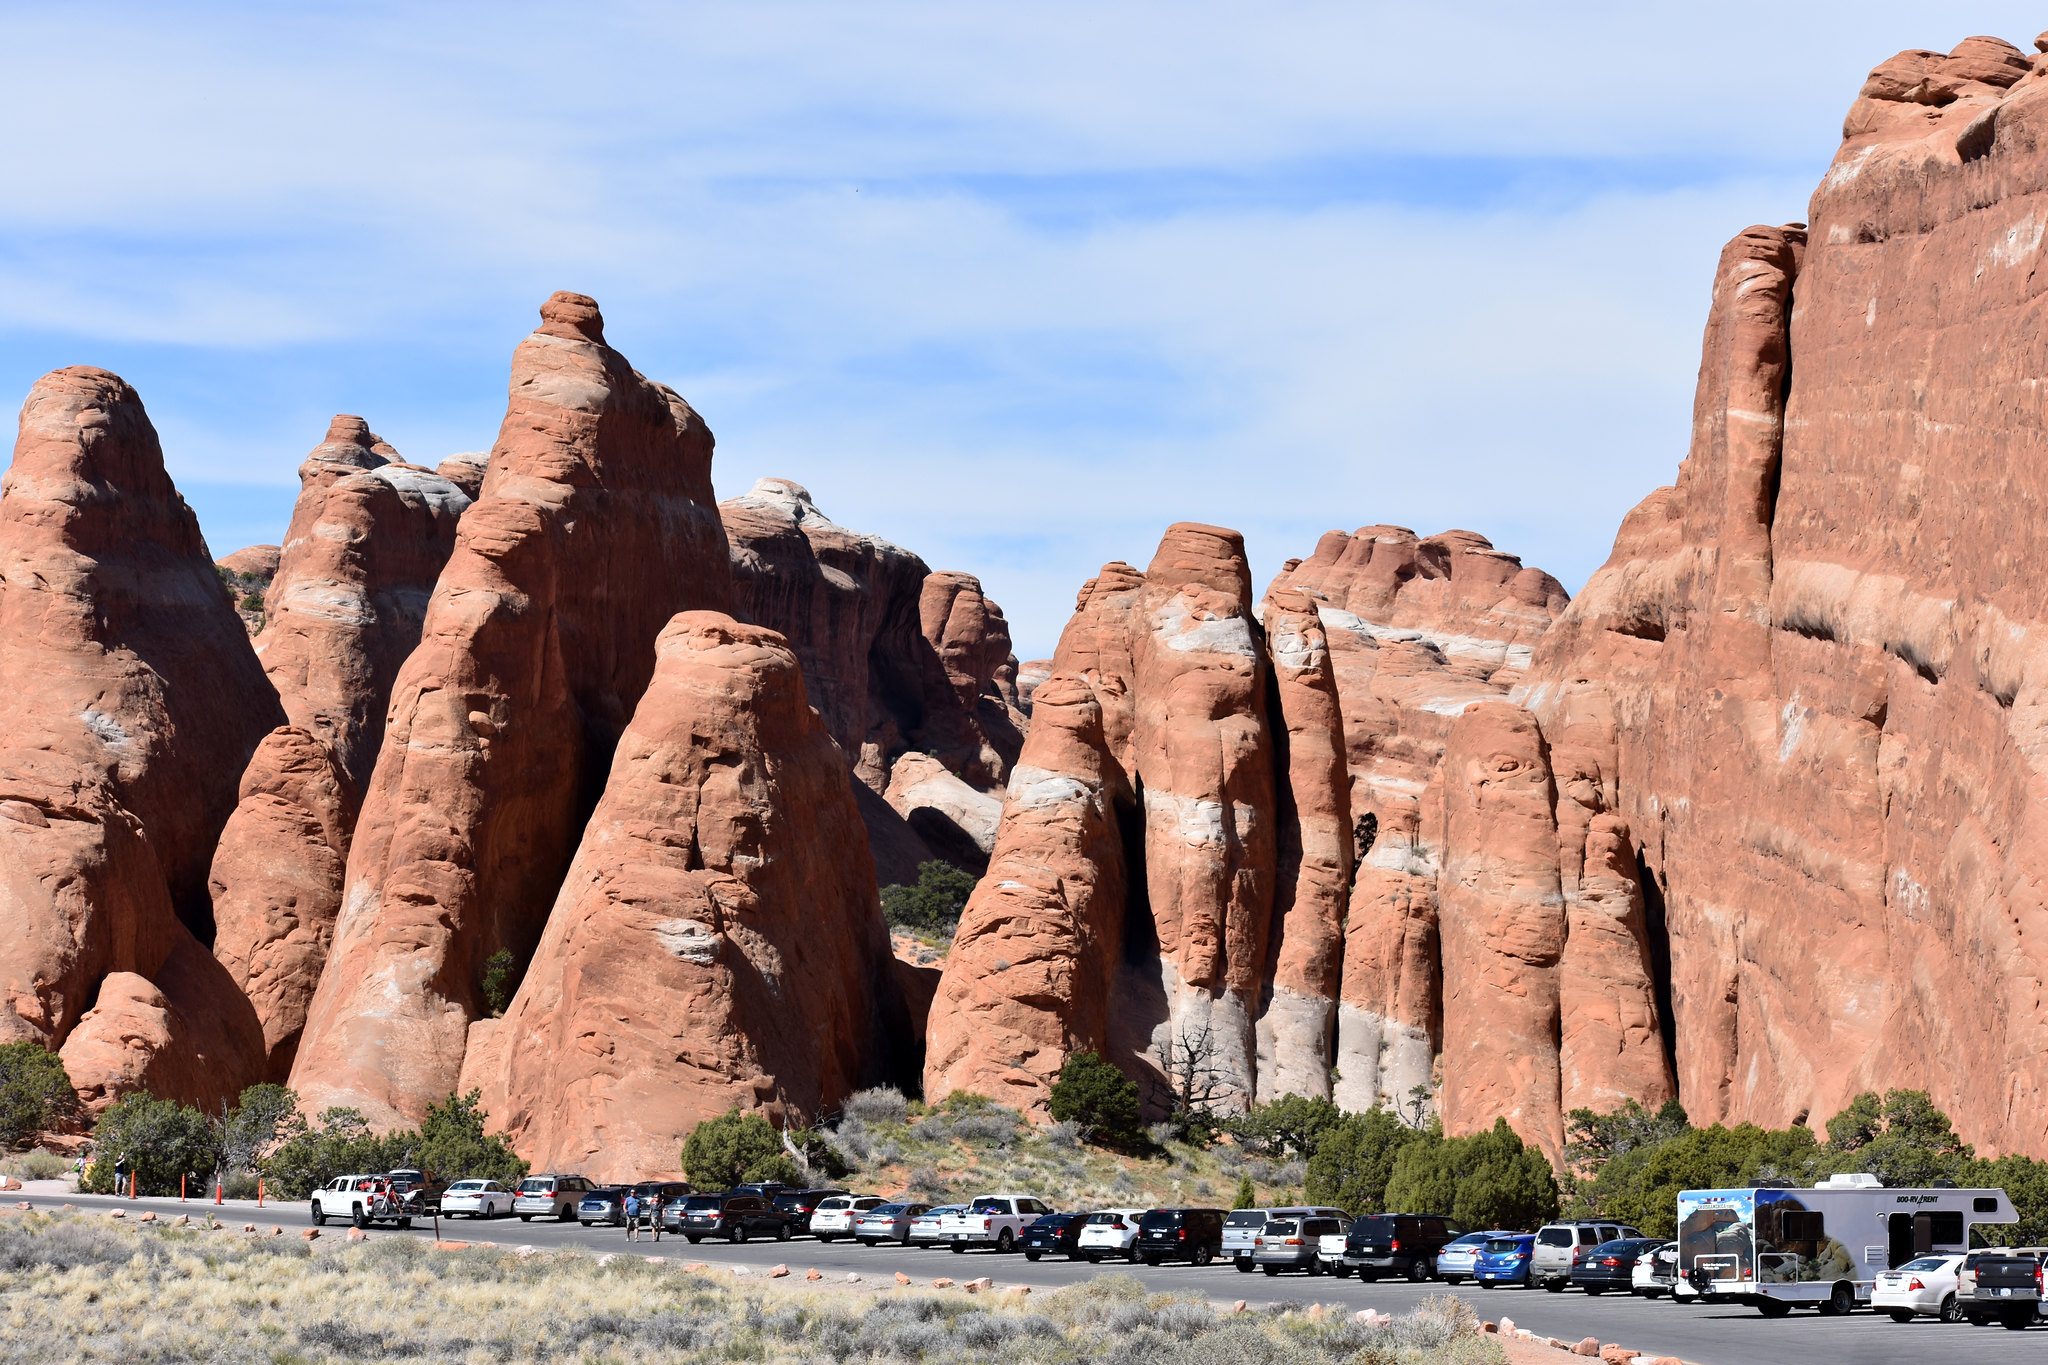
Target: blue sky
1015, 286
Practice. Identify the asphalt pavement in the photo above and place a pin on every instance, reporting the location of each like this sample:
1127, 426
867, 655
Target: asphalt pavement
1708, 1335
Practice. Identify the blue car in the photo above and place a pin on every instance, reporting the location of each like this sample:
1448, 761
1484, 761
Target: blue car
1504, 1260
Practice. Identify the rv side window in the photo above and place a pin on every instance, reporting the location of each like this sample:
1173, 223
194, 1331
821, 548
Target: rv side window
1947, 1228
1983, 1205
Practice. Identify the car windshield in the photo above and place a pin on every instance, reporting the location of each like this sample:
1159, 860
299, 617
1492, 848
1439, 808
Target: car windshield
1105, 1219
885, 1210
1246, 1218
1497, 1245
1470, 1239
1927, 1263
991, 1206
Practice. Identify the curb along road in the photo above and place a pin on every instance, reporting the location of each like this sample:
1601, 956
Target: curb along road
1706, 1335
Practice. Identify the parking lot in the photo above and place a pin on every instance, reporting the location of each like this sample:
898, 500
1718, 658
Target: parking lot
1708, 1335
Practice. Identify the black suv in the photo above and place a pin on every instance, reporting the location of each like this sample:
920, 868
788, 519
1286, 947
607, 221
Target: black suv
1397, 1244
735, 1217
798, 1206
1060, 1232
1179, 1235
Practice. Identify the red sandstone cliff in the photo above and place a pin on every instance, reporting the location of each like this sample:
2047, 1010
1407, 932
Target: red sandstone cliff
129, 702
717, 942
594, 526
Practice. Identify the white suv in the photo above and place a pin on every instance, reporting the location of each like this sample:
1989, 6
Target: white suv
836, 1216
1112, 1232
550, 1196
1560, 1246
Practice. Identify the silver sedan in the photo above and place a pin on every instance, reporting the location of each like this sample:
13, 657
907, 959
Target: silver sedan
889, 1223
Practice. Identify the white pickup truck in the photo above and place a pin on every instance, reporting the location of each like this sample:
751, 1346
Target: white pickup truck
1330, 1251
362, 1199
993, 1220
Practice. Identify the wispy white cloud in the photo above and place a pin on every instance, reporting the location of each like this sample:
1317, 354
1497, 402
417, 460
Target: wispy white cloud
1016, 286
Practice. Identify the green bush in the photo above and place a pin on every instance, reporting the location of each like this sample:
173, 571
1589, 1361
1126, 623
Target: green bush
340, 1143
1247, 1196
932, 906
453, 1146
1292, 1125
1094, 1094
735, 1148
35, 1092
1901, 1138
2025, 1182
1488, 1180
159, 1141
498, 984
1354, 1159
1641, 1185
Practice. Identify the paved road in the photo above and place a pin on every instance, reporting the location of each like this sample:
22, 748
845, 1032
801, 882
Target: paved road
1707, 1335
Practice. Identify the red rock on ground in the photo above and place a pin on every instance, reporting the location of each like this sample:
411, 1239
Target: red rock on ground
129, 702
1031, 972
594, 527
718, 941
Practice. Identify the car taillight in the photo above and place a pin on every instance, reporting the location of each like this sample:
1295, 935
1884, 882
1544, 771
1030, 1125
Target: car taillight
984, 1224
1914, 1283
1258, 1241
1396, 1246
1609, 1260
2037, 1275
1745, 1272
1292, 1242
1577, 1252
1183, 1236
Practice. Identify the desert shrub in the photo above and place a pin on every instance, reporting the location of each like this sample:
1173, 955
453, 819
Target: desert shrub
1104, 1101
35, 1092
453, 1145
36, 1164
934, 904
159, 1141
498, 983
927, 1182
995, 1125
1065, 1135
882, 1104
339, 1143
854, 1142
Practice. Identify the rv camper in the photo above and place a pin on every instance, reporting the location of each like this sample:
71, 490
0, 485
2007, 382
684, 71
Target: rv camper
1778, 1248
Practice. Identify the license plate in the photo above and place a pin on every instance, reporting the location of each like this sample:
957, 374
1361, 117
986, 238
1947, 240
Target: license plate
2005, 1293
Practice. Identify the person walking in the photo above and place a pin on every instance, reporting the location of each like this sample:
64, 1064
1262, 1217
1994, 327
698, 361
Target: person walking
654, 1202
631, 1209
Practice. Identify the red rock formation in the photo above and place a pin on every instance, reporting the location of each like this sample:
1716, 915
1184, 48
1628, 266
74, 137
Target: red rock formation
1817, 653
901, 661
718, 941
1030, 976
368, 539
594, 527
1503, 923
277, 879
129, 700
466, 471
1418, 631
1313, 879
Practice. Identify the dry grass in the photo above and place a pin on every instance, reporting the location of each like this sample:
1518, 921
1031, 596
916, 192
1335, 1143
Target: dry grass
78, 1288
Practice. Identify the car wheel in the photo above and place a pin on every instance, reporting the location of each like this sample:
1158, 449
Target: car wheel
526, 1218
565, 1215
1095, 1258
1368, 1277
1270, 1269
1006, 1242
405, 1222
1595, 1290
782, 1233
1315, 1267
959, 1248
1773, 1308
693, 1238
319, 1218
1203, 1256
1340, 1270
1151, 1260
1245, 1266
361, 1217
1951, 1311
1486, 1284
826, 1236
2017, 1322
739, 1233
1032, 1254
1417, 1272
1454, 1279
1553, 1286
1902, 1315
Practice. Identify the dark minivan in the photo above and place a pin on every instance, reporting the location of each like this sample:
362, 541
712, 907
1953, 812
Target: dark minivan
735, 1217
1179, 1235
1397, 1244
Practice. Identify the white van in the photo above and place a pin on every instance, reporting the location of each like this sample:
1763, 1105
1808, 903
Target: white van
1775, 1248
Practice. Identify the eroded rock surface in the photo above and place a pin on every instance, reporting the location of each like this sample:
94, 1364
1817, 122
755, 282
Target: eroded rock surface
130, 701
593, 528
718, 941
